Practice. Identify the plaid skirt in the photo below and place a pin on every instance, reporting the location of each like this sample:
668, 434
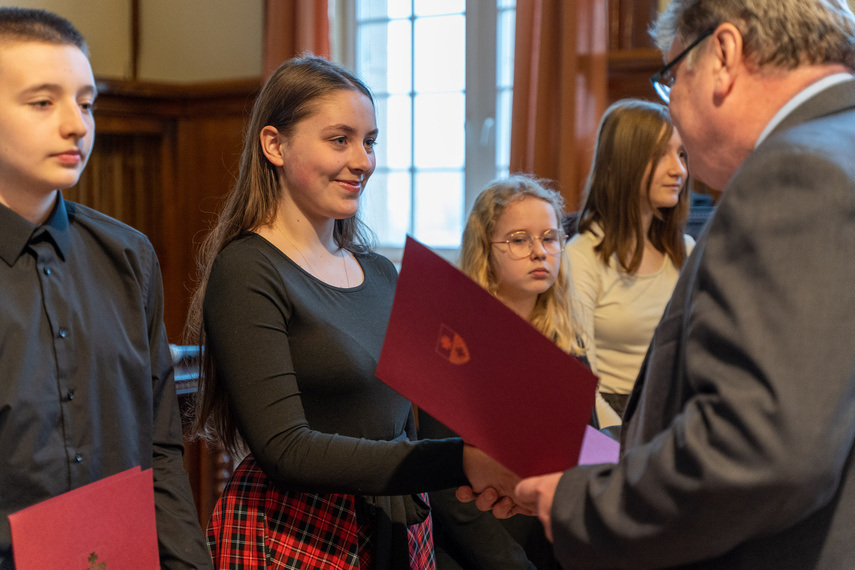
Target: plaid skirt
255, 525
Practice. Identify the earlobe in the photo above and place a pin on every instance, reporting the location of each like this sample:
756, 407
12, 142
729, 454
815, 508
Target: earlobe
271, 145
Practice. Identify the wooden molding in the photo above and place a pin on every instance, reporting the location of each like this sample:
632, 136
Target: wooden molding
630, 71
635, 60
126, 98
195, 91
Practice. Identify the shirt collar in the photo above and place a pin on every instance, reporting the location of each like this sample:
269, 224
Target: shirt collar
16, 231
800, 98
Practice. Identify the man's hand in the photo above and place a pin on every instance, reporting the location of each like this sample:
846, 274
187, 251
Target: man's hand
536, 494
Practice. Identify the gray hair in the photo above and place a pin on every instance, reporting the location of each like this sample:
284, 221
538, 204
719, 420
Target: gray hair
778, 33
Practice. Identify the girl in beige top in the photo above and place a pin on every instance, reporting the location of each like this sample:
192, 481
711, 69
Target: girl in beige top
630, 247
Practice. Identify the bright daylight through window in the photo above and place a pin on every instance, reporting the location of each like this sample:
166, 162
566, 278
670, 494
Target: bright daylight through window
441, 72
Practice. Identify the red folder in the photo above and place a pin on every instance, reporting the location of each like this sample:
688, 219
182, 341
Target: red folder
106, 524
465, 358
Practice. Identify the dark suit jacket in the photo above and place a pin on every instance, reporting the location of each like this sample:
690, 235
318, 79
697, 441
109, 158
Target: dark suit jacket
738, 448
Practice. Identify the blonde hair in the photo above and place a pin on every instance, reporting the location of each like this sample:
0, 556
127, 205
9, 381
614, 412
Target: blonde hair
555, 312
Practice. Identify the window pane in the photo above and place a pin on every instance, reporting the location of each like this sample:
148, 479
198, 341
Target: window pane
439, 208
385, 69
381, 145
503, 130
396, 133
400, 60
386, 206
440, 65
505, 53
412, 54
373, 9
372, 40
440, 130
438, 7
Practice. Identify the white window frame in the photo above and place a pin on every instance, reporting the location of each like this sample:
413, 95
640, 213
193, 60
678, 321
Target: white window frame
480, 163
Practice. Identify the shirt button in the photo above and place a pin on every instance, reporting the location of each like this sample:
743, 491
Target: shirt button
46, 270
63, 332
78, 458
71, 394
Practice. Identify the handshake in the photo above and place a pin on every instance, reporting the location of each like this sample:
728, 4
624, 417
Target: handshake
495, 488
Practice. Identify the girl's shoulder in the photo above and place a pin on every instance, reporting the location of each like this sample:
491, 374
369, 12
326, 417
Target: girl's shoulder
241, 251
377, 263
586, 239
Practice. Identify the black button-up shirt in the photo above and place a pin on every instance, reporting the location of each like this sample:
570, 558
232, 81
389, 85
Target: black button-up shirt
86, 380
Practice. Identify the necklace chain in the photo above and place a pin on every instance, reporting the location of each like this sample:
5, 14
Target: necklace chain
344, 262
309, 266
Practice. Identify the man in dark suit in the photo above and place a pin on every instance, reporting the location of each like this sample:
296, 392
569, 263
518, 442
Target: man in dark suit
738, 439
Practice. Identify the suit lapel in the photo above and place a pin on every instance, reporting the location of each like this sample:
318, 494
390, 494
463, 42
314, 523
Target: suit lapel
835, 99
683, 290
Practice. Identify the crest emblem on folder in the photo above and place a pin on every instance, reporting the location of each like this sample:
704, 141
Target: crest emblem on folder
94, 564
451, 346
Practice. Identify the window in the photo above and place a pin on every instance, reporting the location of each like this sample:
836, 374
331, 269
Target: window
441, 72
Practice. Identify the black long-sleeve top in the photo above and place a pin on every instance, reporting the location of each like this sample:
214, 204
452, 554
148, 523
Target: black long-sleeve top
86, 380
297, 358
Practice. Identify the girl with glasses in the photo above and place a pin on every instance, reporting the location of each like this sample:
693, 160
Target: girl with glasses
512, 247
630, 244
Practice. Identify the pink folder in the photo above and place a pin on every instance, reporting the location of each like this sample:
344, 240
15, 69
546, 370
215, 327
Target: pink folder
108, 524
465, 358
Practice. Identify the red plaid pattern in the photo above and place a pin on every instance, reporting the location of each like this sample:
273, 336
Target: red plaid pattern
420, 537
254, 525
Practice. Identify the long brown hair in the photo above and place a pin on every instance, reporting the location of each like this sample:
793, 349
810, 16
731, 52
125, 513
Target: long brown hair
553, 313
290, 95
632, 137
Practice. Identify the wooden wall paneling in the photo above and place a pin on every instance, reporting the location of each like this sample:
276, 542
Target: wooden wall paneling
646, 12
209, 470
172, 250
630, 72
629, 23
206, 164
633, 57
614, 24
188, 170
116, 183
164, 157
626, 17
208, 152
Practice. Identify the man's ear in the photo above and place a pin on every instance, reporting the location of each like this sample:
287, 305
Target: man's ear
730, 61
271, 145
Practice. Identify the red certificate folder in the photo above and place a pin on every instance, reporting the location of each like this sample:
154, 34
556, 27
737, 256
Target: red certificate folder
108, 524
473, 364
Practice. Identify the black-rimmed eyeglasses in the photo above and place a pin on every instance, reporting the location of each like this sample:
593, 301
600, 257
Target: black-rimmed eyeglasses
663, 80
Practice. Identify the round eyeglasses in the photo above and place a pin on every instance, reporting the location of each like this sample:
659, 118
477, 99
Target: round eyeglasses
521, 244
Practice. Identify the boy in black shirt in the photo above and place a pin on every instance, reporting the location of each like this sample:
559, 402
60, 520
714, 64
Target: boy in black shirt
86, 380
